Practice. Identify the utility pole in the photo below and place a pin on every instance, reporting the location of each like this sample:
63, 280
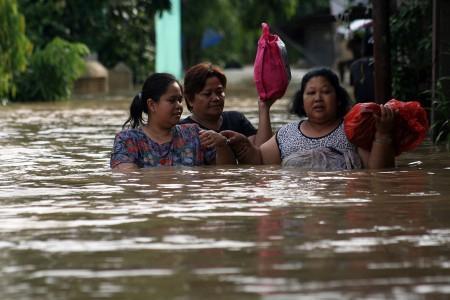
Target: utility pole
168, 41
381, 51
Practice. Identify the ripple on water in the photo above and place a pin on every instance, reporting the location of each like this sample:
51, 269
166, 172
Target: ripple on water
269, 232
169, 243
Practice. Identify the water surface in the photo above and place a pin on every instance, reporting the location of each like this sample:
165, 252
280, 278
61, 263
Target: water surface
72, 229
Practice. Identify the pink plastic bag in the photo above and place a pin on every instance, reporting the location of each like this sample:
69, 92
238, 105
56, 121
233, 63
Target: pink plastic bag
271, 70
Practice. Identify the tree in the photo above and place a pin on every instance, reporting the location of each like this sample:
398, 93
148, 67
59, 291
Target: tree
201, 15
52, 71
239, 23
410, 27
253, 12
117, 30
14, 46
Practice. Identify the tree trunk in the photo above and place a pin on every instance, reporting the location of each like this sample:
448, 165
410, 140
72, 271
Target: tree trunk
381, 51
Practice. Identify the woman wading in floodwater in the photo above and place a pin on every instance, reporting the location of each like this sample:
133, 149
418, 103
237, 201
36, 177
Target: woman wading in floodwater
160, 140
318, 142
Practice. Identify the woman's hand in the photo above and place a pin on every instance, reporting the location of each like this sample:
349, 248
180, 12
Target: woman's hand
224, 154
243, 149
238, 142
384, 123
210, 138
265, 105
382, 154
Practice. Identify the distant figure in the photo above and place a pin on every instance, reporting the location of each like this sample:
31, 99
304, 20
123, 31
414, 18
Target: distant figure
362, 74
353, 47
152, 137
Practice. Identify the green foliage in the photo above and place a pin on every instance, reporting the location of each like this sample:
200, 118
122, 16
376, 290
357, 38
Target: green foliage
118, 31
123, 30
204, 14
411, 50
239, 21
253, 12
14, 46
411, 39
52, 71
129, 35
441, 124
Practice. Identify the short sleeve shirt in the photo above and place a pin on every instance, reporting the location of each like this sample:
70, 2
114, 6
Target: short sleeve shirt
232, 120
185, 149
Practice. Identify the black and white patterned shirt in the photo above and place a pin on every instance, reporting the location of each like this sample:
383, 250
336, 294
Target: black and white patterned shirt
290, 139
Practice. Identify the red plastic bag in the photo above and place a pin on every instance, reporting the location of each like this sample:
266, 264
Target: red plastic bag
271, 70
411, 124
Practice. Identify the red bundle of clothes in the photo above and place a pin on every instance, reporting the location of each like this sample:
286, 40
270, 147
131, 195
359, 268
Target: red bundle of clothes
411, 124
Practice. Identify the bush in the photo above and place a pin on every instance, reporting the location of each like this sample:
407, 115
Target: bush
411, 26
52, 71
441, 123
15, 47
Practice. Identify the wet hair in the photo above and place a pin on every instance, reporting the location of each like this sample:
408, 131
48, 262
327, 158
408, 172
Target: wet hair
342, 97
154, 87
195, 79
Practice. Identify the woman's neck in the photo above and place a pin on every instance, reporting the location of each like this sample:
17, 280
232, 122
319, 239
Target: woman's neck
158, 134
210, 123
314, 129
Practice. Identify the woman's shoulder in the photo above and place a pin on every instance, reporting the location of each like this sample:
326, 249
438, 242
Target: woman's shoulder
130, 133
233, 114
187, 129
291, 125
237, 121
187, 120
288, 131
187, 126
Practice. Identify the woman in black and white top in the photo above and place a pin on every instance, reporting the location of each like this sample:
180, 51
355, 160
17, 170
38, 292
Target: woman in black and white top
318, 141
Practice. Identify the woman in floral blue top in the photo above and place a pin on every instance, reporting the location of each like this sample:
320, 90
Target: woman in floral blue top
159, 141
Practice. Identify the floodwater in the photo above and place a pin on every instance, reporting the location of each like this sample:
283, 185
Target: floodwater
71, 229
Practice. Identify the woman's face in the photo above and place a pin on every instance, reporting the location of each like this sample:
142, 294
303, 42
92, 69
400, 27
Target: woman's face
167, 111
209, 102
319, 100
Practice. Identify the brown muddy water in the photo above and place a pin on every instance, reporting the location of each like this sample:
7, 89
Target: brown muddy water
71, 229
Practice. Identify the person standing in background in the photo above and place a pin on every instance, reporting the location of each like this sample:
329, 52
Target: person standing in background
362, 74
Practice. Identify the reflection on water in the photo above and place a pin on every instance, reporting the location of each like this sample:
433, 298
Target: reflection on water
71, 229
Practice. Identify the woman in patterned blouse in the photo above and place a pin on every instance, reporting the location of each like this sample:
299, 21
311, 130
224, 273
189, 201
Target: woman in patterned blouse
159, 140
318, 140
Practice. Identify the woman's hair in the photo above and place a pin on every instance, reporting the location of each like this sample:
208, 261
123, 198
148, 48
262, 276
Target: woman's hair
342, 97
154, 87
195, 79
